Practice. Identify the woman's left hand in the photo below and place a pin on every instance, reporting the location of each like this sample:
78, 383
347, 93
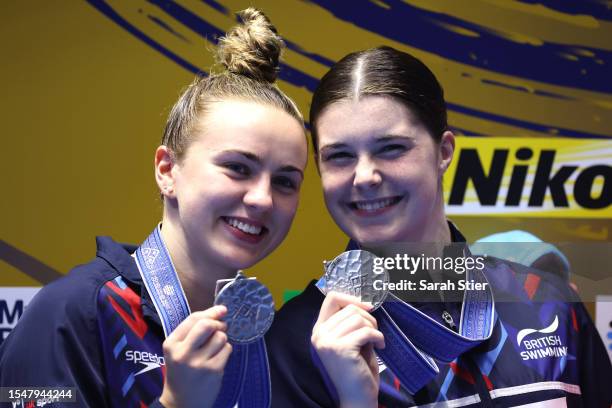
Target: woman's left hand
344, 337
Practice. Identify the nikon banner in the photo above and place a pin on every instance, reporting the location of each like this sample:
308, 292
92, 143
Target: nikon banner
530, 177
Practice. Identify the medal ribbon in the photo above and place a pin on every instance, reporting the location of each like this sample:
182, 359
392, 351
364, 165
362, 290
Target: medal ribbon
164, 288
413, 340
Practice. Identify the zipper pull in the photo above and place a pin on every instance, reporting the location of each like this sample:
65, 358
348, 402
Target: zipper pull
449, 320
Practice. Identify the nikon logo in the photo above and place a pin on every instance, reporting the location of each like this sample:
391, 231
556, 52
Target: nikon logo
488, 181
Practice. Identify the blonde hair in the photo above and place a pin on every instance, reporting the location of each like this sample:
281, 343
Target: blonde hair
249, 55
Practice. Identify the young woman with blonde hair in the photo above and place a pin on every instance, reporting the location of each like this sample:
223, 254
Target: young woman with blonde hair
229, 170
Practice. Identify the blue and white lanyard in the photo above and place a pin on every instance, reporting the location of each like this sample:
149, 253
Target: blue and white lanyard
413, 340
164, 288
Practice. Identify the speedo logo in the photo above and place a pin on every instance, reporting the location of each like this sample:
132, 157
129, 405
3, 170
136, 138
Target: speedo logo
587, 193
541, 346
150, 361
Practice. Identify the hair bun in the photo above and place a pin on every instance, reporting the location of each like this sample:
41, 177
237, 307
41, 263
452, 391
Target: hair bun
252, 48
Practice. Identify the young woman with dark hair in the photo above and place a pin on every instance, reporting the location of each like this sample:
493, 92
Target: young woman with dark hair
382, 145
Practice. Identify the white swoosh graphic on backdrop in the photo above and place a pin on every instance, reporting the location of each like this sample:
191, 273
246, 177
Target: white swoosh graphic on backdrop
525, 332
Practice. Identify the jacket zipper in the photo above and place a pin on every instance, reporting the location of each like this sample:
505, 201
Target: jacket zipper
479, 382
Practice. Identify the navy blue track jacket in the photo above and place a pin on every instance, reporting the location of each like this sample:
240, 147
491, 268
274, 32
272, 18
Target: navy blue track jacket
95, 330
559, 361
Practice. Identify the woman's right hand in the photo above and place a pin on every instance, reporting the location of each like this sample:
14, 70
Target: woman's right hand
195, 354
344, 338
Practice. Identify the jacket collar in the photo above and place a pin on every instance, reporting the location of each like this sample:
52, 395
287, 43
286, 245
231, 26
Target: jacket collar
119, 257
456, 236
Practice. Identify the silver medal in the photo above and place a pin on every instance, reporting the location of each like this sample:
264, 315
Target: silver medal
250, 309
352, 273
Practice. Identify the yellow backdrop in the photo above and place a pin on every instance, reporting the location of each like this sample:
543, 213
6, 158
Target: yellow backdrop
87, 87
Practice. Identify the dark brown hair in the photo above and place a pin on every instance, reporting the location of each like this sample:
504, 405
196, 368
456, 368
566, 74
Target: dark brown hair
383, 71
249, 55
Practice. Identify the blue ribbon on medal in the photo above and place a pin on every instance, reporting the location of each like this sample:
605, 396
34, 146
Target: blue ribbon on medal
246, 299
413, 340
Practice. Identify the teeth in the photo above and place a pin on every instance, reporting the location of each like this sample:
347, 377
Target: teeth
244, 227
374, 205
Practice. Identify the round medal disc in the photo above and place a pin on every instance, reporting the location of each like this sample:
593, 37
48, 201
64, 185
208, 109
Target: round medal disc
250, 309
352, 273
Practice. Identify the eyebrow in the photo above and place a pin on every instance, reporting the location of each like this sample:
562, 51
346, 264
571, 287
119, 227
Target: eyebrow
333, 146
378, 139
289, 168
247, 155
256, 159
387, 138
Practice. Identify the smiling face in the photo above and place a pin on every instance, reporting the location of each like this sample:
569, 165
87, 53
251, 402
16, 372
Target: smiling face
381, 171
235, 192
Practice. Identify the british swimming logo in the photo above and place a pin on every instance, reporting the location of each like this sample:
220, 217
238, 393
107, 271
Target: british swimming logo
537, 347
